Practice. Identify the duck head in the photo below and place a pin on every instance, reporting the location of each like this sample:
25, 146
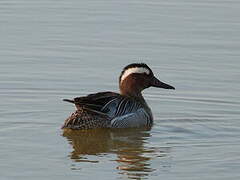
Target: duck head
137, 77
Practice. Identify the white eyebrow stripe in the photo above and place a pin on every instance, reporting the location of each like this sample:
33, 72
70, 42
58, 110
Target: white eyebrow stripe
134, 70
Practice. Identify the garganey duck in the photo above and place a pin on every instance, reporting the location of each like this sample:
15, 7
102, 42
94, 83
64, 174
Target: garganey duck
112, 110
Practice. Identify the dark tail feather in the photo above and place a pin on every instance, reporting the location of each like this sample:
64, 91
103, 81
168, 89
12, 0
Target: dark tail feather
68, 100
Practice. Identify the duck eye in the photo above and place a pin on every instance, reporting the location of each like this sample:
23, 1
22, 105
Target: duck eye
148, 75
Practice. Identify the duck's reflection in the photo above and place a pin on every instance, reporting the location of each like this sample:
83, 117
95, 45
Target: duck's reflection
133, 156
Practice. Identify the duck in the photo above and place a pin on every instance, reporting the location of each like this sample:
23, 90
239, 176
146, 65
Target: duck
126, 109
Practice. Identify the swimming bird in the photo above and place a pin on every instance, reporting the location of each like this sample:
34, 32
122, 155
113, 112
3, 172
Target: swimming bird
126, 109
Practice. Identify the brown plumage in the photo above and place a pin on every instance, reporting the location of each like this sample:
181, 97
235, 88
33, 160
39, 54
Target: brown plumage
89, 114
86, 119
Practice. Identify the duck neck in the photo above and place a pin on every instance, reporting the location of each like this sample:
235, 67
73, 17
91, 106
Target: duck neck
132, 92
137, 95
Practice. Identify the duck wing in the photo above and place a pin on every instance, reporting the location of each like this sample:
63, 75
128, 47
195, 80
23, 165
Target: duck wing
93, 101
89, 112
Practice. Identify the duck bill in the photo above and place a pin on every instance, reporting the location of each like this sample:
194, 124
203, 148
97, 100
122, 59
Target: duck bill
156, 83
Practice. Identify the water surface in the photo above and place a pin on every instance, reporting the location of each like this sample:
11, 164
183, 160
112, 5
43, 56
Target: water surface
52, 50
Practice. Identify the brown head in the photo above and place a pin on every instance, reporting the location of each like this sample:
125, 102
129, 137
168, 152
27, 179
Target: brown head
137, 77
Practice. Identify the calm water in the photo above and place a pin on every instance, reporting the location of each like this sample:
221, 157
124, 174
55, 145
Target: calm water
54, 49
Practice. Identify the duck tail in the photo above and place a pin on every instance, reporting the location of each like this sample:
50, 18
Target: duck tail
69, 100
